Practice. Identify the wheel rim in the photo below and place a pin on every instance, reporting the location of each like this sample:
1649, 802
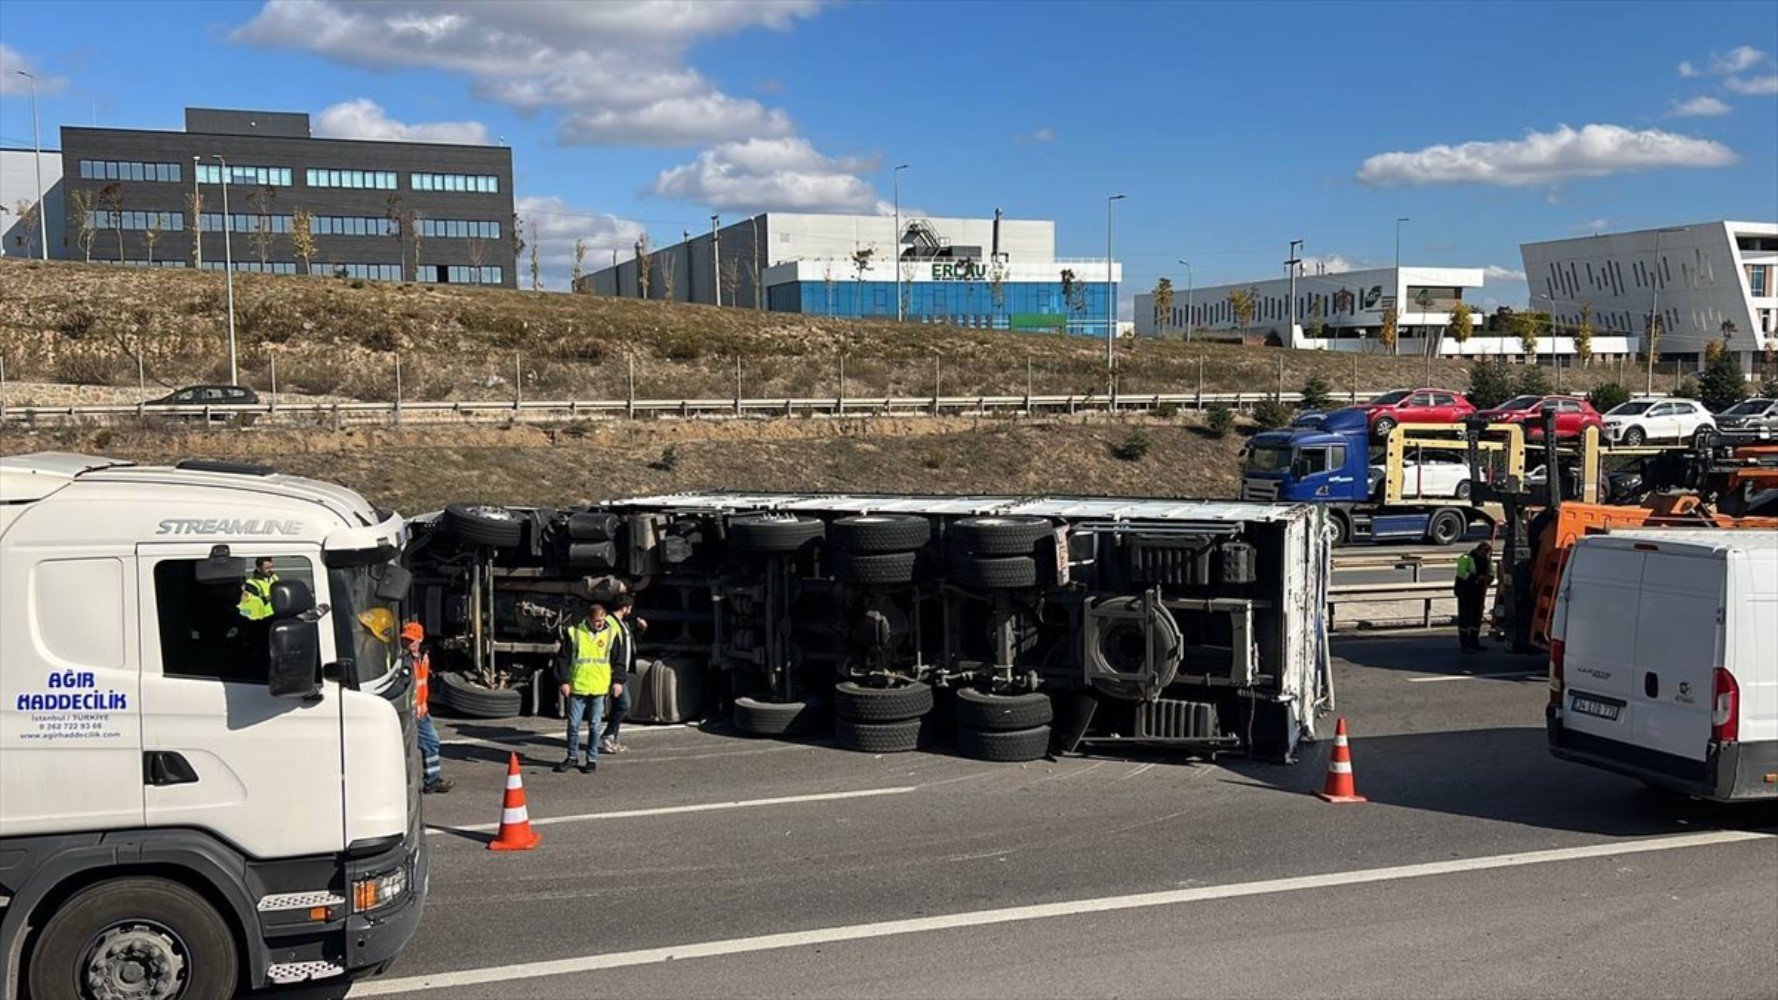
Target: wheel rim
134, 960
492, 513
1446, 530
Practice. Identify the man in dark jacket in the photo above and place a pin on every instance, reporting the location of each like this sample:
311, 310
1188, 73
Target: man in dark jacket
1475, 574
590, 650
632, 628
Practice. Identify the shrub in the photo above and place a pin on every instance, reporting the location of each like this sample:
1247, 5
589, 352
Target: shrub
1271, 414
1134, 447
1534, 381
1607, 396
1490, 384
1221, 419
1317, 394
1769, 388
669, 460
1167, 411
85, 368
1689, 389
1723, 385
102, 439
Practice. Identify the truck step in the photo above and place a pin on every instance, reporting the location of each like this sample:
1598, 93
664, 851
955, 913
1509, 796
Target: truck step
285, 973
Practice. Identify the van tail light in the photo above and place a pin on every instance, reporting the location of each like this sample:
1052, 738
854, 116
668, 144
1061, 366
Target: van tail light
1557, 648
1725, 707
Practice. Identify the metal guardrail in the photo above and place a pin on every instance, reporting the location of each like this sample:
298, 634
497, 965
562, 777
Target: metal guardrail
573, 409
1383, 593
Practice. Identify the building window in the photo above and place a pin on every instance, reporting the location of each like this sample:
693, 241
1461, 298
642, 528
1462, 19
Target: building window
142, 262
459, 229
379, 180
459, 274
127, 170
467, 183
351, 225
172, 222
1759, 280
369, 272
211, 173
242, 222
255, 267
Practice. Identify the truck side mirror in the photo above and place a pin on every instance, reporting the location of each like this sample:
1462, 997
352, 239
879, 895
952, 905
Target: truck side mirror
220, 567
293, 659
291, 599
1299, 468
392, 582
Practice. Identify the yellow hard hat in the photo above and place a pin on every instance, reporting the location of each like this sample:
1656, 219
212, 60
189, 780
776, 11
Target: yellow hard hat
379, 622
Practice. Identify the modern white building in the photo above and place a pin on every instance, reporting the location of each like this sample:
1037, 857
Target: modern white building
989, 273
1344, 311
1707, 281
20, 233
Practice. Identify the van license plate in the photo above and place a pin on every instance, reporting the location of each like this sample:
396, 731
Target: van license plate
1599, 709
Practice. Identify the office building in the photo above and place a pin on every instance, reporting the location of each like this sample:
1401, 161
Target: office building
382, 211
20, 232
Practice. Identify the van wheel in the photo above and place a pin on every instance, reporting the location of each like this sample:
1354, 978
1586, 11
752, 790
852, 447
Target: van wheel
135, 937
1446, 527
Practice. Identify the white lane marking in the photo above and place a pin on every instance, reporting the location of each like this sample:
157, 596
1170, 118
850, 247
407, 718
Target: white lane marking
1134, 773
1064, 775
1041, 911
786, 800
553, 732
1476, 677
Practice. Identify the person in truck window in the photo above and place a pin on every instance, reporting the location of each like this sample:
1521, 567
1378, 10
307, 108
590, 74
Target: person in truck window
256, 591
1475, 573
412, 635
583, 667
632, 627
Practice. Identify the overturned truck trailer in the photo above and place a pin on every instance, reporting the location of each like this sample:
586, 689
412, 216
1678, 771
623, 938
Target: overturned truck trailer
1015, 626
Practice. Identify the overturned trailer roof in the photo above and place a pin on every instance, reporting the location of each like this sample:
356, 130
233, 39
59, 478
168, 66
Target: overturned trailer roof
1098, 508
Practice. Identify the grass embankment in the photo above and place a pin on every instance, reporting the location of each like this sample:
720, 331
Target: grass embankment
65, 322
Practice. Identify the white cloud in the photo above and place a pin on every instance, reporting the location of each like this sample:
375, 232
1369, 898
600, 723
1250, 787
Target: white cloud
1591, 226
1494, 272
558, 226
366, 119
1687, 69
616, 73
782, 174
1739, 59
1753, 86
12, 63
1329, 264
1702, 106
1543, 157
1044, 134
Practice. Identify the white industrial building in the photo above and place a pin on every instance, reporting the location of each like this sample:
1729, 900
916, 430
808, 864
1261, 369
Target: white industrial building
1344, 311
1707, 281
18, 192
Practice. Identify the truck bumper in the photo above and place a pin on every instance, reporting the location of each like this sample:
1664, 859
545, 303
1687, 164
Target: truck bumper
1732, 771
374, 939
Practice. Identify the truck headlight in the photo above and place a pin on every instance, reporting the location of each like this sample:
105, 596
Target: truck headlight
376, 891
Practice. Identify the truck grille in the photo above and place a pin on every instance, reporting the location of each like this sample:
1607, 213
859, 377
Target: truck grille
1259, 490
1168, 719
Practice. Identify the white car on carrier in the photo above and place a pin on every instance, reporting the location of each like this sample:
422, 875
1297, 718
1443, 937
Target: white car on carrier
1656, 418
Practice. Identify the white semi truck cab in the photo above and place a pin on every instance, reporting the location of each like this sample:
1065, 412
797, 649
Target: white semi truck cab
208, 774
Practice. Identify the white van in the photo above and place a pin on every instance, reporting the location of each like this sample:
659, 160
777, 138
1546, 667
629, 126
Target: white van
1664, 659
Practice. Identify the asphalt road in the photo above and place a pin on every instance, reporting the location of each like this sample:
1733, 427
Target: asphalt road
704, 864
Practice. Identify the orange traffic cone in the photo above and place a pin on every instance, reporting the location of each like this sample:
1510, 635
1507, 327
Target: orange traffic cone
515, 823
1339, 786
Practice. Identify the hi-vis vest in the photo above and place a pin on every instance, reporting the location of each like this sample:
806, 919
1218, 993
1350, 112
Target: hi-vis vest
591, 674
422, 685
1465, 566
256, 600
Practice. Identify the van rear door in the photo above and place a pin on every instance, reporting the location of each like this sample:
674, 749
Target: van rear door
1679, 644
1599, 635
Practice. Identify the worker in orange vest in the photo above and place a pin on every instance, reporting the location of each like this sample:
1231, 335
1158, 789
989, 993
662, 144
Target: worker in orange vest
412, 634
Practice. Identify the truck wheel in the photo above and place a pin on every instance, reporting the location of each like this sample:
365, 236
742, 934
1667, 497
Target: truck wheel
877, 737
1635, 436
1001, 573
467, 698
771, 718
772, 533
134, 937
880, 532
1006, 746
881, 704
1006, 535
484, 524
983, 710
1446, 527
877, 568
1339, 528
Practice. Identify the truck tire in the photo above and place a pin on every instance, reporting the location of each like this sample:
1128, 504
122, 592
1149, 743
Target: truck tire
878, 737
881, 704
484, 524
1000, 573
1004, 745
770, 534
880, 532
1447, 527
1340, 527
877, 568
592, 526
771, 718
1000, 535
1002, 712
468, 698
131, 933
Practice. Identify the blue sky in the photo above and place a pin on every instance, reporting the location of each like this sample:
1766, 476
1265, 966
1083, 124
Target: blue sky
1232, 128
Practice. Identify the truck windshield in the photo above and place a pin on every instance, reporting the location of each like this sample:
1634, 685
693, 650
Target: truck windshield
364, 624
1268, 459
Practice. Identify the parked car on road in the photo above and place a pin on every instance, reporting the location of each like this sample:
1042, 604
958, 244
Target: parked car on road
1573, 415
1749, 420
1414, 406
220, 398
1656, 418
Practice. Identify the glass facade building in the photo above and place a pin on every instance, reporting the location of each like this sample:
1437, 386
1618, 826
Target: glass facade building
1016, 305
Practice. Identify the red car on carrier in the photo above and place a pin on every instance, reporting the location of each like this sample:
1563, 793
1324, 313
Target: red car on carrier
1573, 415
1414, 406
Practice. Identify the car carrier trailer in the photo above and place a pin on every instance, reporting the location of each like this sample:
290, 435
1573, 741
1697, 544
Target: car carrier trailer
1034, 625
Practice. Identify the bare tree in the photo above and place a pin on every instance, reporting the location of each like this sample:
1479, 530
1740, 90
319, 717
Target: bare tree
536, 267
1391, 328
827, 281
860, 267
194, 212
110, 200
151, 234
417, 226
731, 276
261, 200
666, 268
393, 215
758, 303
83, 219
642, 266
579, 269
1583, 334
302, 237
26, 210
477, 248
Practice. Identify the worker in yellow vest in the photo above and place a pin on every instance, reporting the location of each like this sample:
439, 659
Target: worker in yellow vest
583, 667
1475, 574
256, 591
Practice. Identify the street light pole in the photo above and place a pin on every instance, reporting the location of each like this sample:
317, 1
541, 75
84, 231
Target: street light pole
1189, 281
197, 216
37, 161
1401, 290
1110, 301
895, 246
1650, 334
715, 260
1290, 266
228, 270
